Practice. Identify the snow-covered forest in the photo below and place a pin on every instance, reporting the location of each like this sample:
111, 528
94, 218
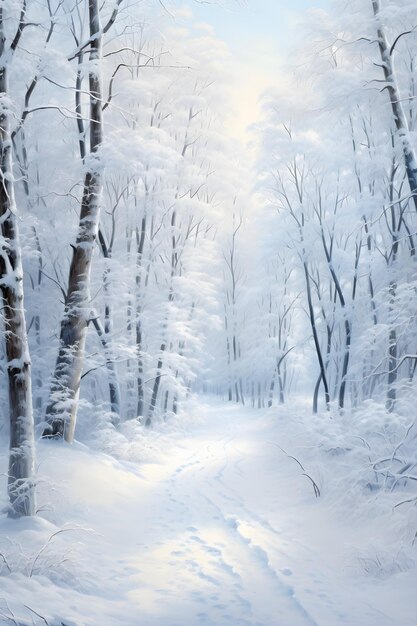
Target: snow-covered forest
208, 341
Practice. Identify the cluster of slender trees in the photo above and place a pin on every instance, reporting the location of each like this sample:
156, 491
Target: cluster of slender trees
338, 169
332, 280
116, 170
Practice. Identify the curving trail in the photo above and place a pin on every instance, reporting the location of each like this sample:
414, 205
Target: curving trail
219, 530
220, 546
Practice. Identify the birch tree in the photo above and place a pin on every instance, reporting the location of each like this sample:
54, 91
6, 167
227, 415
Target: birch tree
61, 412
387, 52
21, 488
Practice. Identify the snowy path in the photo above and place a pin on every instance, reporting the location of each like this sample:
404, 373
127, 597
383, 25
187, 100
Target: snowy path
202, 538
220, 531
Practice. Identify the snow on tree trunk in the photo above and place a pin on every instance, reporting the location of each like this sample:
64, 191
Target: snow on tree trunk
140, 242
114, 387
21, 489
61, 412
400, 119
156, 386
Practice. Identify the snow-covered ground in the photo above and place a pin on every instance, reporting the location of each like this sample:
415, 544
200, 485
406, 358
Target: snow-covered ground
216, 526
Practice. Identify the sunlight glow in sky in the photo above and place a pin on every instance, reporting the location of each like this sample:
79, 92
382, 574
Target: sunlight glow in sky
259, 34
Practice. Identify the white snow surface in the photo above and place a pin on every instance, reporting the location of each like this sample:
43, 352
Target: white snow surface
217, 527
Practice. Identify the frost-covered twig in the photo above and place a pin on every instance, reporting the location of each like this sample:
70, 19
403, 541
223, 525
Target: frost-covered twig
44, 547
37, 614
317, 492
11, 617
6, 562
408, 501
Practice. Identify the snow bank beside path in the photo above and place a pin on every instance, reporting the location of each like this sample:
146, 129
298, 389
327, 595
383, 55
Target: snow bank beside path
218, 526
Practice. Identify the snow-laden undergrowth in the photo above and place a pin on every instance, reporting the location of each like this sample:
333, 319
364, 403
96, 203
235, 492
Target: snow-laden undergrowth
228, 516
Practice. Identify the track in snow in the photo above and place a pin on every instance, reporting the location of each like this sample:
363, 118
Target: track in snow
213, 552
211, 535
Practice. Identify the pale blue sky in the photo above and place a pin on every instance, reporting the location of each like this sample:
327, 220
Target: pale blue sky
234, 20
259, 34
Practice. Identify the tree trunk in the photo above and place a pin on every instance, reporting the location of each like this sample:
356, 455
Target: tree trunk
37, 323
130, 411
271, 390
156, 386
21, 489
392, 338
386, 51
316, 395
114, 388
312, 319
61, 412
281, 384
140, 244
392, 370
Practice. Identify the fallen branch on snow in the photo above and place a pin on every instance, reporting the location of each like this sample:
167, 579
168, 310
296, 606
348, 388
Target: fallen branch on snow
313, 482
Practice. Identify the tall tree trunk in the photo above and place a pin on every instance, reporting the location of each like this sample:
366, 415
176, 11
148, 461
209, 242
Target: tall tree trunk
130, 411
271, 390
316, 395
392, 338
347, 322
164, 343
140, 244
281, 384
37, 323
386, 52
107, 343
114, 388
312, 318
61, 412
23, 162
392, 363
21, 488
105, 333
156, 385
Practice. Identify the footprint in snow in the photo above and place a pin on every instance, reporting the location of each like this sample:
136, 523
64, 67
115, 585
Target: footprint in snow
213, 551
286, 571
